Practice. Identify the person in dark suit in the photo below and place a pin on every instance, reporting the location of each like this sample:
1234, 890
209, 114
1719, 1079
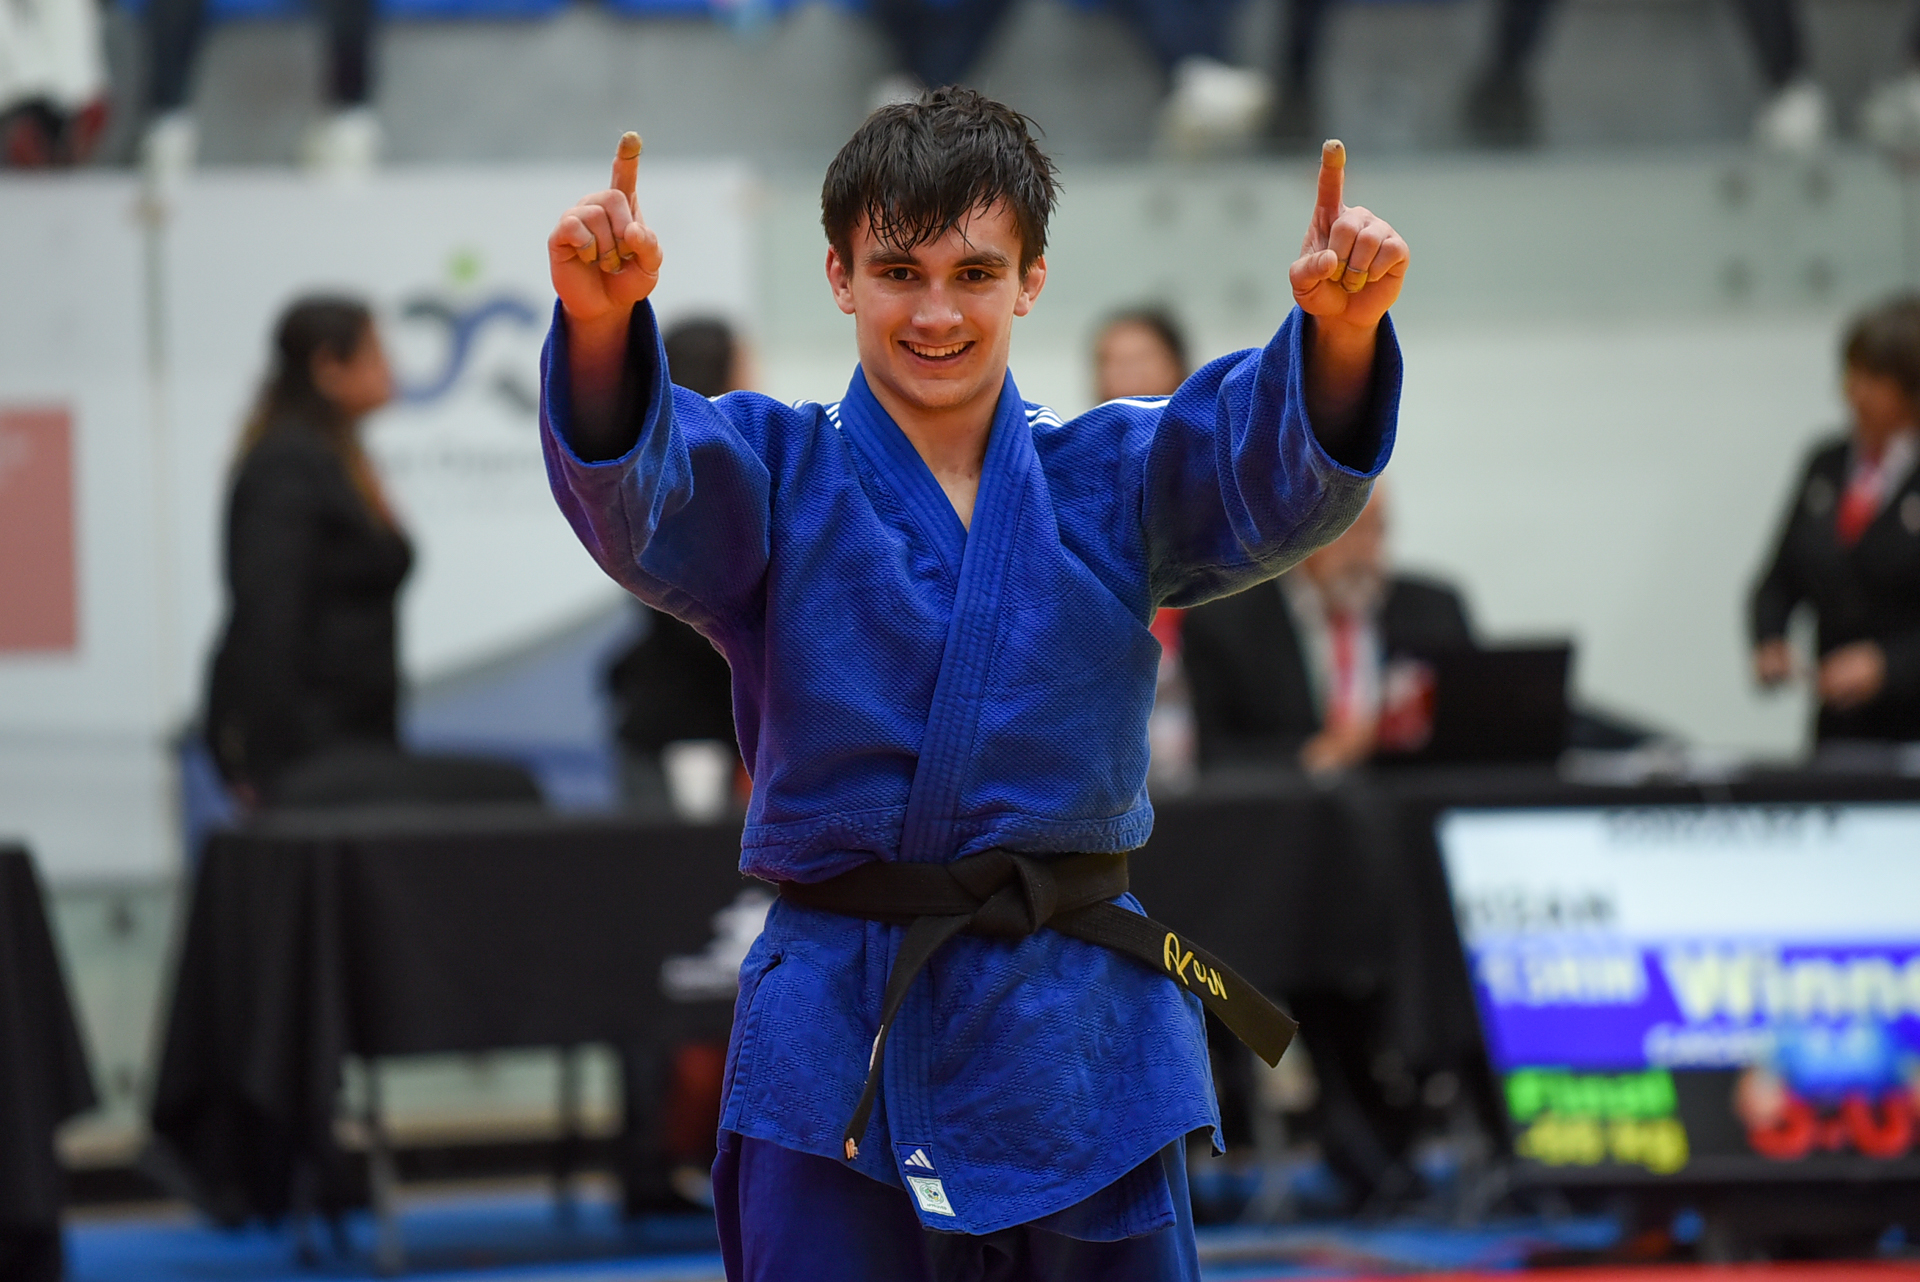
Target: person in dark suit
314, 560
1322, 666
1849, 547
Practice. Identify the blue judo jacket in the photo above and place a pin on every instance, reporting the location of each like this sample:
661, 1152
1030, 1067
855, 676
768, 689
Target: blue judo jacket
908, 689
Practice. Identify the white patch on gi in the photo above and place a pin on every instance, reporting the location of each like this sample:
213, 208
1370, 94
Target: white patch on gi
931, 1194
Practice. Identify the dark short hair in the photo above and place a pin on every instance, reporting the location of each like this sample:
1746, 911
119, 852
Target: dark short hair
1885, 340
1160, 322
700, 355
914, 170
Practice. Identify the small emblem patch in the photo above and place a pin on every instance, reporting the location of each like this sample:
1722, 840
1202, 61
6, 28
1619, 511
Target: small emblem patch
931, 1194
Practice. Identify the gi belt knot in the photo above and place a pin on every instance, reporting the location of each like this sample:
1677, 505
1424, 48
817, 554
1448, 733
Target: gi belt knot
1007, 895
1018, 893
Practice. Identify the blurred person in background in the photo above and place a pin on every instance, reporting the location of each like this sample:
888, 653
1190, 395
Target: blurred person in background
1141, 352
672, 686
303, 694
1849, 548
53, 82
1499, 109
1212, 104
1320, 667
672, 692
1798, 115
345, 141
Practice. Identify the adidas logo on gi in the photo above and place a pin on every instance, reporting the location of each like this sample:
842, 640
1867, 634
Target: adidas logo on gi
924, 1180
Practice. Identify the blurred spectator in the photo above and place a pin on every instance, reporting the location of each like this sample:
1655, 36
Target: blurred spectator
1319, 668
1141, 352
672, 691
345, 142
1499, 111
672, 687
1849, 549
1797, 116
303, 695
1211, 103
53, 82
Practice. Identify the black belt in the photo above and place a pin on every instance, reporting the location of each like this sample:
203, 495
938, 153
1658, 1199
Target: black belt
1010, 896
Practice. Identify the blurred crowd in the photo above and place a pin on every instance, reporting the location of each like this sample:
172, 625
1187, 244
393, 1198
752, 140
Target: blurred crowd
54, 94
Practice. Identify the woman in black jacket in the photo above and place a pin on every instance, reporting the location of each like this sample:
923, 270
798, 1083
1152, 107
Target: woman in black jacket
314, 560
1850, 546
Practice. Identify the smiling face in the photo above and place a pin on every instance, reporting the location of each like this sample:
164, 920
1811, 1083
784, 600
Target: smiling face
934, 323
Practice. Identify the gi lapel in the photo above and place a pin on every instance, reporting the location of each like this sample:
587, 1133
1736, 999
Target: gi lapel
888, 451
946, 747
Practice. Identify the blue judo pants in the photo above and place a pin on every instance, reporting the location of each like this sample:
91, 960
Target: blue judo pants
786, 1216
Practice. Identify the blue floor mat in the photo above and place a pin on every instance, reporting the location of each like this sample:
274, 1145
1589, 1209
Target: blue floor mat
473, 1238
518, 1237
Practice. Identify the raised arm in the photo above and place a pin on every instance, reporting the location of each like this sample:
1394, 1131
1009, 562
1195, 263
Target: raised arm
669, 491
605, 260
1263, 456
1349, 273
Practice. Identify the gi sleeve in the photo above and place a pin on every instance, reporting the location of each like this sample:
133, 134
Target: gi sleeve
1236, 485
681, 517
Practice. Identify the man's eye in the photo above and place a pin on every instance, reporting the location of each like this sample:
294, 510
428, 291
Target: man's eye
899, 273
974, 275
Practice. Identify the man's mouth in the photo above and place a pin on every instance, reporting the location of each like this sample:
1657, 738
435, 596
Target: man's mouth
932, 352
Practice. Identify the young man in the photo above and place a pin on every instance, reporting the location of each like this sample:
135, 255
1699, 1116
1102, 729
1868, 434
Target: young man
934, 597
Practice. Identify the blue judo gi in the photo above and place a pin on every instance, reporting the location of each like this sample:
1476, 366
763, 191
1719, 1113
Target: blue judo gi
908, 689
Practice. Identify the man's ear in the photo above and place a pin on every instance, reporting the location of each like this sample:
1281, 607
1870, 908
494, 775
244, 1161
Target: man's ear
840, 280
1030, 286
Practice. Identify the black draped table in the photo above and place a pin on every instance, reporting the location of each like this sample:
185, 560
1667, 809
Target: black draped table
375, 935
43, 1074
407, 932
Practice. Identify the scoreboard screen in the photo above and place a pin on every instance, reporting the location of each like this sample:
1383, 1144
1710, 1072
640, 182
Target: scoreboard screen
1710, 990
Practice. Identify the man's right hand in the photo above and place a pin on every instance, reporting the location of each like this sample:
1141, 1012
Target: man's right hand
604, 260
1773, 662
603, 256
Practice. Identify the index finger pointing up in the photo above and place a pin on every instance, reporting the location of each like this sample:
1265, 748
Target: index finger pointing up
626, 166
1333, 179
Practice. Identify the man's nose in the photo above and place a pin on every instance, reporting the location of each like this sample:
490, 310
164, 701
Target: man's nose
938, 308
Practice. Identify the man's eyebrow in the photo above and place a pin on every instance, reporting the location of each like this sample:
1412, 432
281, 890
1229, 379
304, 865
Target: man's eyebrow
985, 258
903, 258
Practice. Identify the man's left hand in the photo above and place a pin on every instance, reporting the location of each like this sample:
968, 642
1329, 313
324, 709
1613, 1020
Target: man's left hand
1853, 675
1351, 263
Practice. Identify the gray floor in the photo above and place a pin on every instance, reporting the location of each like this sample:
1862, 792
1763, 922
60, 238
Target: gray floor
1612, 73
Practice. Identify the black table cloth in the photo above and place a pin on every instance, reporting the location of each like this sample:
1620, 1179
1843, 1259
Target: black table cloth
43, 1073
412, 932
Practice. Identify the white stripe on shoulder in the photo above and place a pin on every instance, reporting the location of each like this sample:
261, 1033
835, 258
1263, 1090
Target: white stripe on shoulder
1042, 414
1141, 402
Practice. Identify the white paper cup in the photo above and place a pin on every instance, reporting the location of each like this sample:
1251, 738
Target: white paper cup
699, 777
